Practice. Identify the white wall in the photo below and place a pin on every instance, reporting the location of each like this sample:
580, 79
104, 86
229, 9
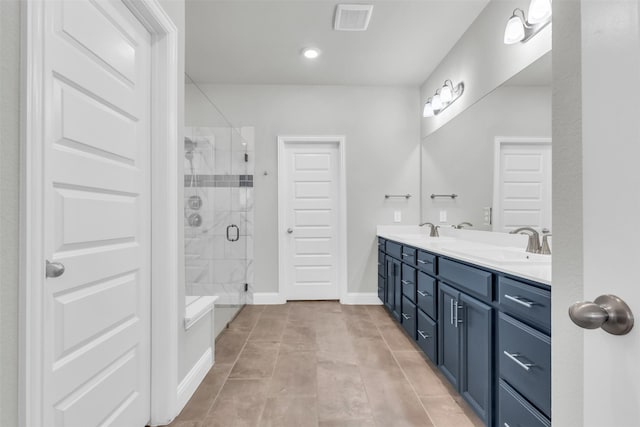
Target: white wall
566, 339
482, 61
458, 158
382, 152
9, 207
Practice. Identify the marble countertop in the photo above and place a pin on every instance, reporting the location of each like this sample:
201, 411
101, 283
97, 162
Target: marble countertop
476, 247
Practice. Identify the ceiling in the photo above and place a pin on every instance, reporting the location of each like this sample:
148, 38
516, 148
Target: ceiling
259, 42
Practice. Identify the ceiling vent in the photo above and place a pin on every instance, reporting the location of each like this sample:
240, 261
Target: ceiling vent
352, 17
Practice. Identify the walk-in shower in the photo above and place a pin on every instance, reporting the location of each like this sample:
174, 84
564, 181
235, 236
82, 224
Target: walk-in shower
218, 207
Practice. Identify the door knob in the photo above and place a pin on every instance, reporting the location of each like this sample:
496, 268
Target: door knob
607, 312
54, 269
289, 230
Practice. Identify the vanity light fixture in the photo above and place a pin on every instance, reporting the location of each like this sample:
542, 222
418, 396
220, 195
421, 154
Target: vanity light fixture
519, 29
443, 97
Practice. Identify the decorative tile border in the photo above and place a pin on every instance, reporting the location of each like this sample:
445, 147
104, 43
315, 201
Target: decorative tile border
233, 181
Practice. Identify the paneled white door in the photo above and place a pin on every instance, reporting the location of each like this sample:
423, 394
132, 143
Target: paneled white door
522, 192
310, 173
96, 320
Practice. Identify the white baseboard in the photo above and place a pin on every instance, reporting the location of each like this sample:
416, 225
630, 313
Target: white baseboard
268, 298
361, 298
193, 379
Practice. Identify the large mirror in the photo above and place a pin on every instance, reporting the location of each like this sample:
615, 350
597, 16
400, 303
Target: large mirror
491, 165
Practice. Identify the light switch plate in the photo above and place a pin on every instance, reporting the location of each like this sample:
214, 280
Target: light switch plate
397, 216
486, 214
443, 216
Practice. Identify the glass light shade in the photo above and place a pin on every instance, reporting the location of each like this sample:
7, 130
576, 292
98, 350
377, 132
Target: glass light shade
514, 32
428, 110
310, 53
445, 94
539, 11
436, 103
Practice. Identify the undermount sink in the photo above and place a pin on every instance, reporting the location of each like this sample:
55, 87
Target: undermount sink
503, 256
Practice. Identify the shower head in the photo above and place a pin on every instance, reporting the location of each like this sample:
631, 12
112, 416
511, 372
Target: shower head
189, 147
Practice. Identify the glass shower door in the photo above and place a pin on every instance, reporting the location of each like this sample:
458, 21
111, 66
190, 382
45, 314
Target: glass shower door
218, 234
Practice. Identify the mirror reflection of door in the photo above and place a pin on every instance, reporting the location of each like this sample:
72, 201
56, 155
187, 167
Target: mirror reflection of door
522, 184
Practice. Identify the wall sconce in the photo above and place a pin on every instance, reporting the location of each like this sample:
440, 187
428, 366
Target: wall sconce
519, 29
443, 97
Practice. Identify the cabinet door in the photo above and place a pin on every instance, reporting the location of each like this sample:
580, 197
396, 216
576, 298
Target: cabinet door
397, 289
448, 335
475, 322
389, 290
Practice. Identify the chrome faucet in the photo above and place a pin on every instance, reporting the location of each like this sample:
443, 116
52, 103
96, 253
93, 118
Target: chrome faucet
546, 250
434, 229
533, 245
462, 224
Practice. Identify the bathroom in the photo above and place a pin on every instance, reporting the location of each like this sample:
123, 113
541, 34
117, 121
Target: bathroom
243, 95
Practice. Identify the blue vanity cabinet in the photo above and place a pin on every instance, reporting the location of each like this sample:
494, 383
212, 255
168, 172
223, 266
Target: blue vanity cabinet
465, 337
408, 318
382, 270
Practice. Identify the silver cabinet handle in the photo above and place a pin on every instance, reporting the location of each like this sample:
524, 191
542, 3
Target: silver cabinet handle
406, 317
608, 312
54, 269
528, 304
406, 282
423, 294
506, 425
455, 313
423, 335
514, 357
451, 312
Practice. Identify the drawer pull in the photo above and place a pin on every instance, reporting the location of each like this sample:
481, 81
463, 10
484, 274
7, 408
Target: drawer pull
406, 317
380, 264
528, 304
506, 425
406, 282
423, 335
451, 312
423, 294
424, 262
514, 357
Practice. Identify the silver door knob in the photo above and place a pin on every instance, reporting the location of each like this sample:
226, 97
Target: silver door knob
54, 269
607, 312
289, 230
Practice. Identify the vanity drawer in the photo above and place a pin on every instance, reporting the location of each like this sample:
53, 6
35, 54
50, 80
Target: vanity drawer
525, 361
381, 264
474, 280
426, 294
381, 244
408, 317
525, 301
409, 255
394, 249
515, 411
427, 337
408, 281
427, 262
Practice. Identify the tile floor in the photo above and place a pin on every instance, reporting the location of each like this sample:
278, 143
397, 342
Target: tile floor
321, 364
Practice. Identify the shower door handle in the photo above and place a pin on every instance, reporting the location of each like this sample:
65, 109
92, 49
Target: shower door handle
237, 230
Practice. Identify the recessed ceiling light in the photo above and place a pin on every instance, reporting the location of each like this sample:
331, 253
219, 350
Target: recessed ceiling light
310, 52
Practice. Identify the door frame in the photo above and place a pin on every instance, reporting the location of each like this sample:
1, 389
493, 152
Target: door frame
499, 141
283, 142
165, 211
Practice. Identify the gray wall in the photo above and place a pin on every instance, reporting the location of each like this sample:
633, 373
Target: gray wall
9, 207
382, 155
458, 158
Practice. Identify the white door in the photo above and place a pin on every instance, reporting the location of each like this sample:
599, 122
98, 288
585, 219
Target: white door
596, 380
96, 320
309, 180
522, 191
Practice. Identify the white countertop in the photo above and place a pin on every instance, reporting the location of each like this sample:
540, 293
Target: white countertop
472, 246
